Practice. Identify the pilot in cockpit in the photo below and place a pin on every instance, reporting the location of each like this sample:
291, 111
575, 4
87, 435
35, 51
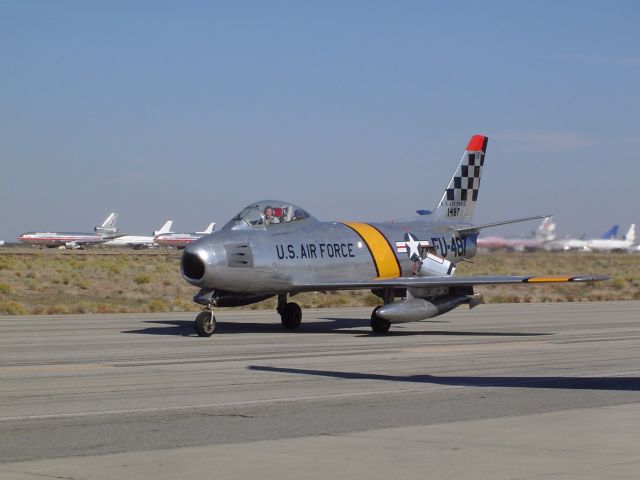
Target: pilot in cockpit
269, 216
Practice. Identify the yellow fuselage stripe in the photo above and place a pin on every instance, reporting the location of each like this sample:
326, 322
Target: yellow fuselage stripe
384, 259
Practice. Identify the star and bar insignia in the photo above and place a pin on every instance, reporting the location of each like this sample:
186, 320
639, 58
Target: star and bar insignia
411, 245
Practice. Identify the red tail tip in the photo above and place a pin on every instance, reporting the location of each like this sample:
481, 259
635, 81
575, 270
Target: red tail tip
477, 143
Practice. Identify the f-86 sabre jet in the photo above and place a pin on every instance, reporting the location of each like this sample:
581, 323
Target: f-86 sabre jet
273, 248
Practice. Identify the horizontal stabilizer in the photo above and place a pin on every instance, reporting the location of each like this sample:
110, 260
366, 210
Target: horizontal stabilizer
477, 228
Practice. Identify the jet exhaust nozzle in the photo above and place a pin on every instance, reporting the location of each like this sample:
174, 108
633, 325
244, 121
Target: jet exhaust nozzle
414, 309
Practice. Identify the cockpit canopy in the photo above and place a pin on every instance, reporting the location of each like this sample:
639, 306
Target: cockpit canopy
267, 213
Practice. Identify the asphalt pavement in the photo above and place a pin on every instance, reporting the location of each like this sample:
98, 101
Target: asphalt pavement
501, 391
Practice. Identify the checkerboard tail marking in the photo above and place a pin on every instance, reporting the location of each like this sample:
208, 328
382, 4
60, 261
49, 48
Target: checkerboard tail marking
459, 198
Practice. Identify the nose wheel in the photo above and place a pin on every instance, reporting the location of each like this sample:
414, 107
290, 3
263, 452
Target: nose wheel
205, 323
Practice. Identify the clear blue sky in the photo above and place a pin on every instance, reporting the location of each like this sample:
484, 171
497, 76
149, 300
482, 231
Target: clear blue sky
352, 109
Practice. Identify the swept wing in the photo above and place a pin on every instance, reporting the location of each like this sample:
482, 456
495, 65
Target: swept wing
444, 281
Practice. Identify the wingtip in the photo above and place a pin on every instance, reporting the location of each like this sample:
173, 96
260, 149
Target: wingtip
590, 278
565, 278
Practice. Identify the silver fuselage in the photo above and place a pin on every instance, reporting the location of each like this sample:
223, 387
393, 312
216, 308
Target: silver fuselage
273, 259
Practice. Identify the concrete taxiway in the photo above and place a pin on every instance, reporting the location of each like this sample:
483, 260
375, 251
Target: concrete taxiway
503, 391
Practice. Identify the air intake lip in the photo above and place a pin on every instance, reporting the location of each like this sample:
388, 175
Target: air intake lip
192, 266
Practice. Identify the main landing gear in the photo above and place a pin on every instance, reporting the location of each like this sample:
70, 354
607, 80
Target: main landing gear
379, 325
290, 313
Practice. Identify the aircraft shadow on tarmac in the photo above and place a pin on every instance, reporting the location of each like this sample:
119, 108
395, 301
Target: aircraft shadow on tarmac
571, 383
350, 326
185, 328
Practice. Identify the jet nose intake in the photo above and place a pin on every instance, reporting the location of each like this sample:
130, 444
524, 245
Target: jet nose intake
204, 263
192, 265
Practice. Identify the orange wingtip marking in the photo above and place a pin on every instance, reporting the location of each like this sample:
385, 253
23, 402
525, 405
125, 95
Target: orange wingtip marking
552, 278
477, 143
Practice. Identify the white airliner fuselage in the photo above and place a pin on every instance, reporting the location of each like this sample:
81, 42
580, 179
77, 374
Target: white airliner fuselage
140, 241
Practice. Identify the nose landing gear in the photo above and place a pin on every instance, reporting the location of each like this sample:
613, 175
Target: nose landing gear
205, 323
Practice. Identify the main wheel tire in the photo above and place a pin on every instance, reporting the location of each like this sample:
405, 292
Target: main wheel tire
205, 324
379, 325
291, 316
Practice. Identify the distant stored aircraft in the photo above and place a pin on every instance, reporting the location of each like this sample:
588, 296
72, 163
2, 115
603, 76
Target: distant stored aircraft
540, 236
181, 240
613, 244
274, 248
138, 242
606, 242
101, 234
611, 233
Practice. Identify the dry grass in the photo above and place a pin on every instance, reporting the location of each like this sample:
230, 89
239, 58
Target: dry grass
623, 268
52, 281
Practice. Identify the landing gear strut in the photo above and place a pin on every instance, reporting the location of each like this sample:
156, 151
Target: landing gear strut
290, 313
205, 323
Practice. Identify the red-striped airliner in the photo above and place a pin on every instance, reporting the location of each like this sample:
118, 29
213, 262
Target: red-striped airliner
101, 234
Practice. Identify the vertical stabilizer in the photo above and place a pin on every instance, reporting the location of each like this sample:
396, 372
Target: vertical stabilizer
459, 199
110, 221
108, 226
166, 228
546, 230
631, 234
209, 229
611, 233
